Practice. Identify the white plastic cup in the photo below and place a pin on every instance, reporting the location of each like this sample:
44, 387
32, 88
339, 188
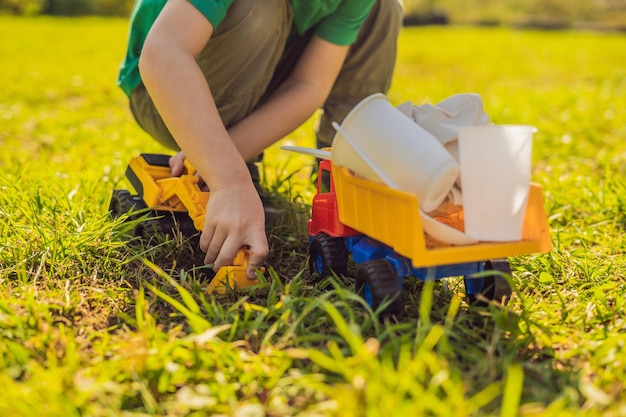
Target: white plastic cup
381, 144
495, 163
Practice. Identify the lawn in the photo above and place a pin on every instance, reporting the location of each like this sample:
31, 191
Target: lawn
92, 325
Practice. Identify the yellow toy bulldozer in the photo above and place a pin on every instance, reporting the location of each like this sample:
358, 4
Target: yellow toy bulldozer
178, 204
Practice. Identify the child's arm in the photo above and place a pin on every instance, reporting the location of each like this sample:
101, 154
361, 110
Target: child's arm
294, 102
234, 215
183, 97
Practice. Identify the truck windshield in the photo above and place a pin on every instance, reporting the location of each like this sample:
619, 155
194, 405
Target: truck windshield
324, 182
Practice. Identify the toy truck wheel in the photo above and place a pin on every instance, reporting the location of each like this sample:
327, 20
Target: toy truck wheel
147, 229
327, 254
377, 282
495, 287
122, 202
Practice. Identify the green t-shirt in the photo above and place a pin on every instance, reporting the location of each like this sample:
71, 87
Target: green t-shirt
336, 21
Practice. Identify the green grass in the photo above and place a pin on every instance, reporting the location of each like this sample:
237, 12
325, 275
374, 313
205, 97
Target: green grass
92, 325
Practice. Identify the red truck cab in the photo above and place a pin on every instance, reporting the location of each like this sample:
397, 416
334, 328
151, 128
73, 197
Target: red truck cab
324, 211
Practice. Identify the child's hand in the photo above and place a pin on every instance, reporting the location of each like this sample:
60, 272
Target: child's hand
234, 218
177, 168
177, 164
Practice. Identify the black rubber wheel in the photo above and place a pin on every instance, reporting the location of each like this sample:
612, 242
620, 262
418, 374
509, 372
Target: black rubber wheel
495, 286
327, 255
377, 282
123, 202
147, 229
173, 222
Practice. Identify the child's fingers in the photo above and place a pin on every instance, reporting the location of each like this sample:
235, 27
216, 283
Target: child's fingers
177, 164
258, 254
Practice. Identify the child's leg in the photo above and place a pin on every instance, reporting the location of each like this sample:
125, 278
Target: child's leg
238, 62
368, 68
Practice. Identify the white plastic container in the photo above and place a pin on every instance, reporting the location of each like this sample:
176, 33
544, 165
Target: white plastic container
381, 144
495, 163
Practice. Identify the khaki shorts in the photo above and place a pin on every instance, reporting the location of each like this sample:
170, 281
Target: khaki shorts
263, 60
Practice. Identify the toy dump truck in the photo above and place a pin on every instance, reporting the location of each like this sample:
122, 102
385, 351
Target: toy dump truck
379, 227
176, 204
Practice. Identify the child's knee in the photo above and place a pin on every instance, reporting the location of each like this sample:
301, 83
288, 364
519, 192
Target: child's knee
255, 21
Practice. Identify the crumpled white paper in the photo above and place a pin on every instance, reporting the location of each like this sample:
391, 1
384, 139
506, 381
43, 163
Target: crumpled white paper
443, 120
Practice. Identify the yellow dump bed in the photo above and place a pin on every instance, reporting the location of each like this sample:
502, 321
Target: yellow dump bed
392, 217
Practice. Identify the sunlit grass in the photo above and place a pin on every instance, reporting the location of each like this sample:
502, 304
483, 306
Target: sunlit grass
91, 324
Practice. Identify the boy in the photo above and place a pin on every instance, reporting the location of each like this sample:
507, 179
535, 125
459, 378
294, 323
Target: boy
223, 80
